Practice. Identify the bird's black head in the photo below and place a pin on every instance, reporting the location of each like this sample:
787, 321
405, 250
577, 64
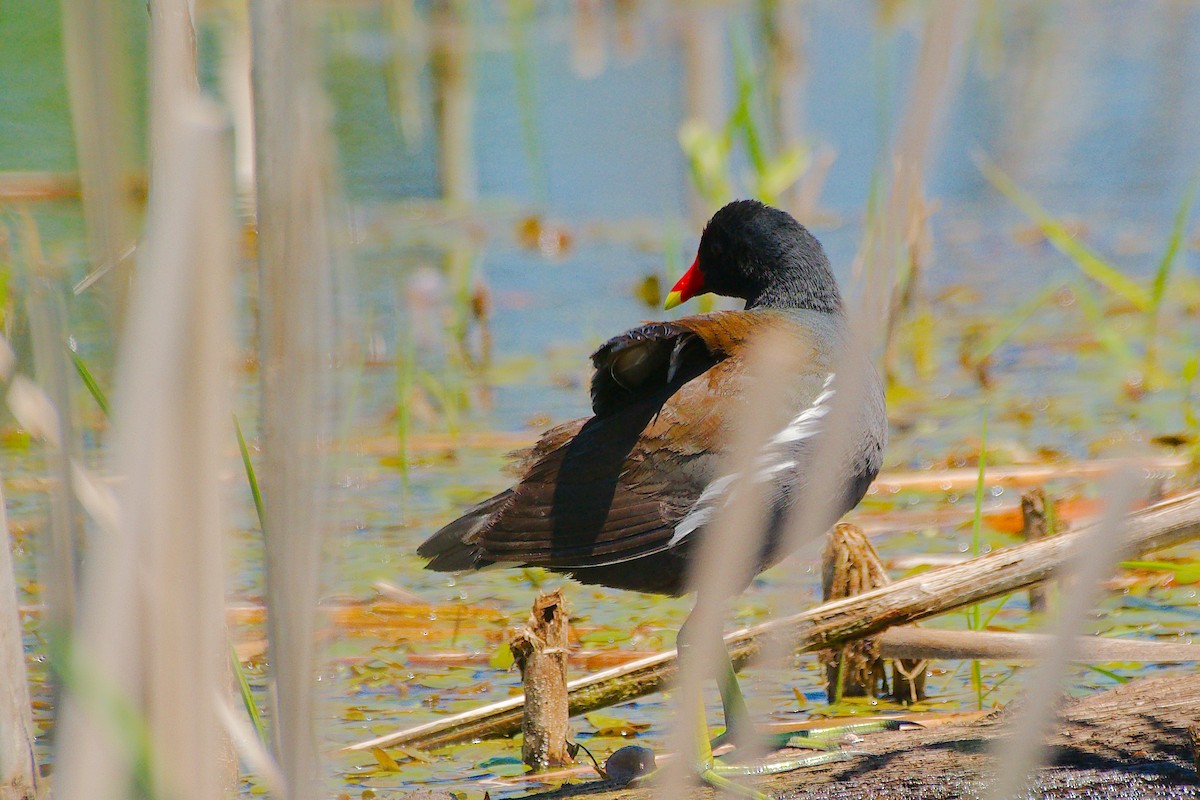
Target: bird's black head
762, 255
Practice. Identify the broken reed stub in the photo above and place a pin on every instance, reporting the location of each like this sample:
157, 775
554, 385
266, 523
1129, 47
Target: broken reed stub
1034, 526
540, 652
850, 566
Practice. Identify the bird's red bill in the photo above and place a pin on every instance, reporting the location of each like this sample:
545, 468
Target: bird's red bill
687, 287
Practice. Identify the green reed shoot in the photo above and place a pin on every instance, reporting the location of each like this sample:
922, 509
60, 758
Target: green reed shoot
251, 478
405, 379
1158, 288
1012, 323
520, 19
89, 381
774, 170
974, 613
247, 695
1147, 301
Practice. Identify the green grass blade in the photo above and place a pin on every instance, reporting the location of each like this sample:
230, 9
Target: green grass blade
1158, 287
996, 610
521, 17
1107, 335
1089, 263
1108, 673
252, 709
251, 478
1013, 322
977, 517
89, 381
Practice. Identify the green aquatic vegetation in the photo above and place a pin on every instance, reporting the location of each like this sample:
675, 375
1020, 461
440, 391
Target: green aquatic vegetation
974, 612
1158, 287
1180, 572
1087, 260
521, 17
1147, 301
251, 477
710, 153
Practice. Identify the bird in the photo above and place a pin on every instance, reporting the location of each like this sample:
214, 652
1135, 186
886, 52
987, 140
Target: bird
622, 498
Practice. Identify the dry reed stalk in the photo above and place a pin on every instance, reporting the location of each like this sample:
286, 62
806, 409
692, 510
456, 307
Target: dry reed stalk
725, 558
1089, 563
235, 90
900, 229
929, 643
18, 763
95, 45
151, 634
454, 99
59, 563
292, 159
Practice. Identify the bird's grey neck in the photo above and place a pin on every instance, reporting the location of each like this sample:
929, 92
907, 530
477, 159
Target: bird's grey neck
801, 293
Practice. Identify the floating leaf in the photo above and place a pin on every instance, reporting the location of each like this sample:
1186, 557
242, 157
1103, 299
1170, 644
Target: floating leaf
386, 762
608, 725
605, 636
502, 658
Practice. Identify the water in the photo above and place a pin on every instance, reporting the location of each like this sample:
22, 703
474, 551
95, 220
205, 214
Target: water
1090, 107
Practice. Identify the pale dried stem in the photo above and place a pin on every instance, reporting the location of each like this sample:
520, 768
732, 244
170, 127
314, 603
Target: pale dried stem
96, 48
725, 558
1088, 563
18, 762
292, 159
151, 631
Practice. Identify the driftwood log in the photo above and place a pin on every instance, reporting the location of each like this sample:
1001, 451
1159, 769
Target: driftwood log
540, 652
1129, 742
921, 596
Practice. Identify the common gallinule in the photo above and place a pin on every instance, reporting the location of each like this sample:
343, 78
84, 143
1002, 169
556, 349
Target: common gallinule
621, 498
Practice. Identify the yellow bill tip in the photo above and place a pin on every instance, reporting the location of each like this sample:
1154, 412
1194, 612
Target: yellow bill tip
673, 299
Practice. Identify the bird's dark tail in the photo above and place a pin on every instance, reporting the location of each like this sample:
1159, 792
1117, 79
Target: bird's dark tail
454, 547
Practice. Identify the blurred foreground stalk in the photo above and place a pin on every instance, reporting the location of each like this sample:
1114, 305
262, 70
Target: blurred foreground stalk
18, 765
147, 656
294, 180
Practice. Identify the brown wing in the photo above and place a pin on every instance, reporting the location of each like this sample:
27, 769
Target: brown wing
612, 488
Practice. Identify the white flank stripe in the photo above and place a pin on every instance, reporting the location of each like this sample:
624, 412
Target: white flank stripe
770, 462
806, 422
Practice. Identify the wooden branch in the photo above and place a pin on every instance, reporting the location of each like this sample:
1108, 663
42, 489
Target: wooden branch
921, 596
925, 643
1016, 475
